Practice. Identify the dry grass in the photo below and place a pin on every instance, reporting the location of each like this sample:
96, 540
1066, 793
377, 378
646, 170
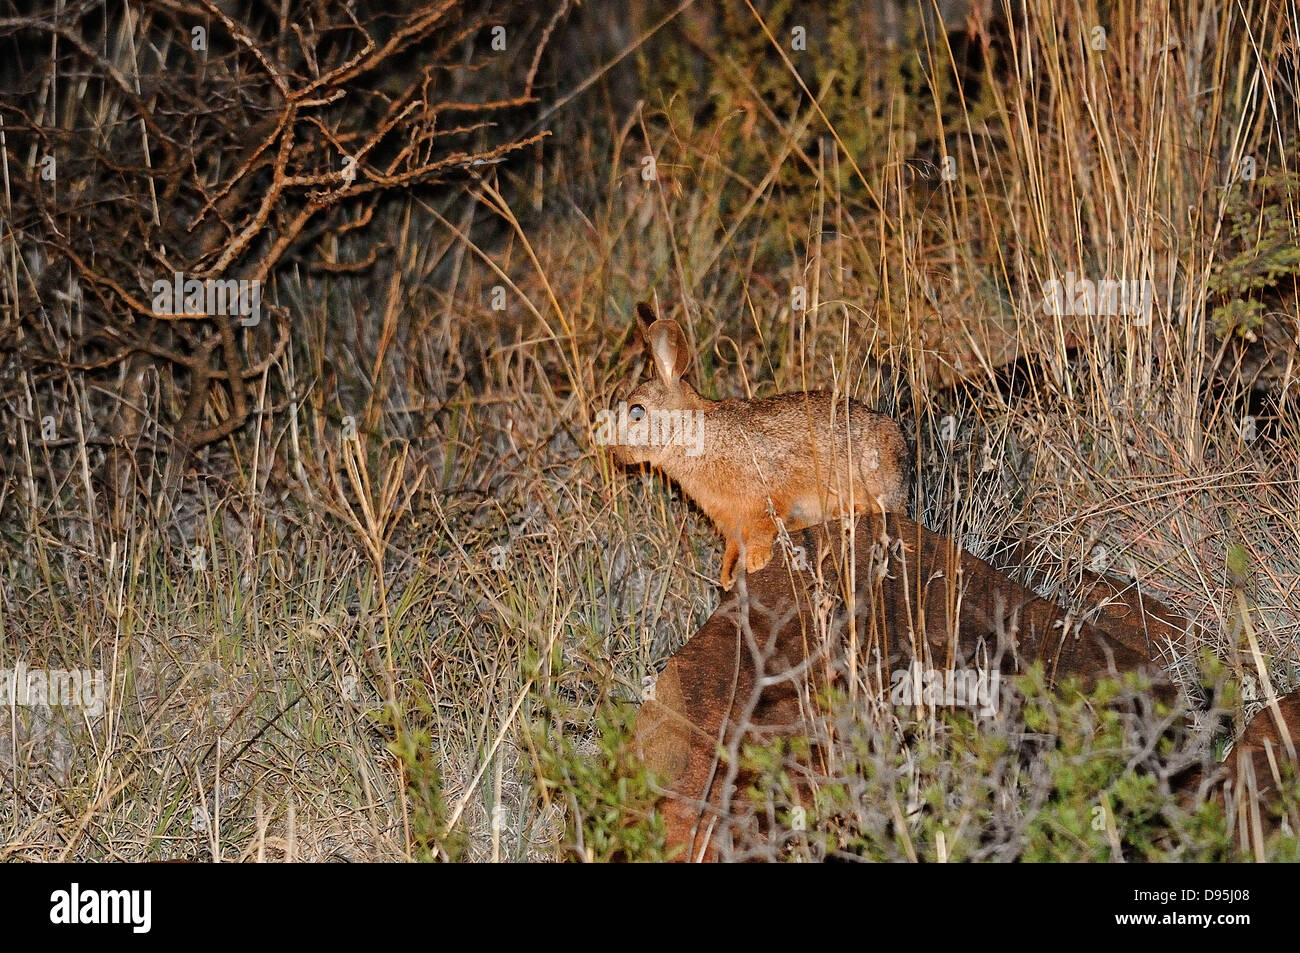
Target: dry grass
469, 576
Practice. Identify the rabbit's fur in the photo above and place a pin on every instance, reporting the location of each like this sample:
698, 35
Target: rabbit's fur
744, 461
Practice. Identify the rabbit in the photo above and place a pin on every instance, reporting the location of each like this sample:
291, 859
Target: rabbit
745, 461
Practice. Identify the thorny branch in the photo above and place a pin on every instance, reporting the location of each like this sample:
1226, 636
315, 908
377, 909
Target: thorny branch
217, 142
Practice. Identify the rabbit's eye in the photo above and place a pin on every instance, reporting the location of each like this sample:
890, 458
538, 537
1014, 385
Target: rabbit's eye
636, 413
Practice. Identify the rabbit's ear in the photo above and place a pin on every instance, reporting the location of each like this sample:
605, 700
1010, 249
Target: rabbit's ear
667, 345
645, 316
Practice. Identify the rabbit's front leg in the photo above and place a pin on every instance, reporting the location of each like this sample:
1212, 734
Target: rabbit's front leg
758, 542
758, 547
729, 559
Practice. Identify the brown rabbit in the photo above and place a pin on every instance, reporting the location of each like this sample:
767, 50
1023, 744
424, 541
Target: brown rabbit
746, 461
